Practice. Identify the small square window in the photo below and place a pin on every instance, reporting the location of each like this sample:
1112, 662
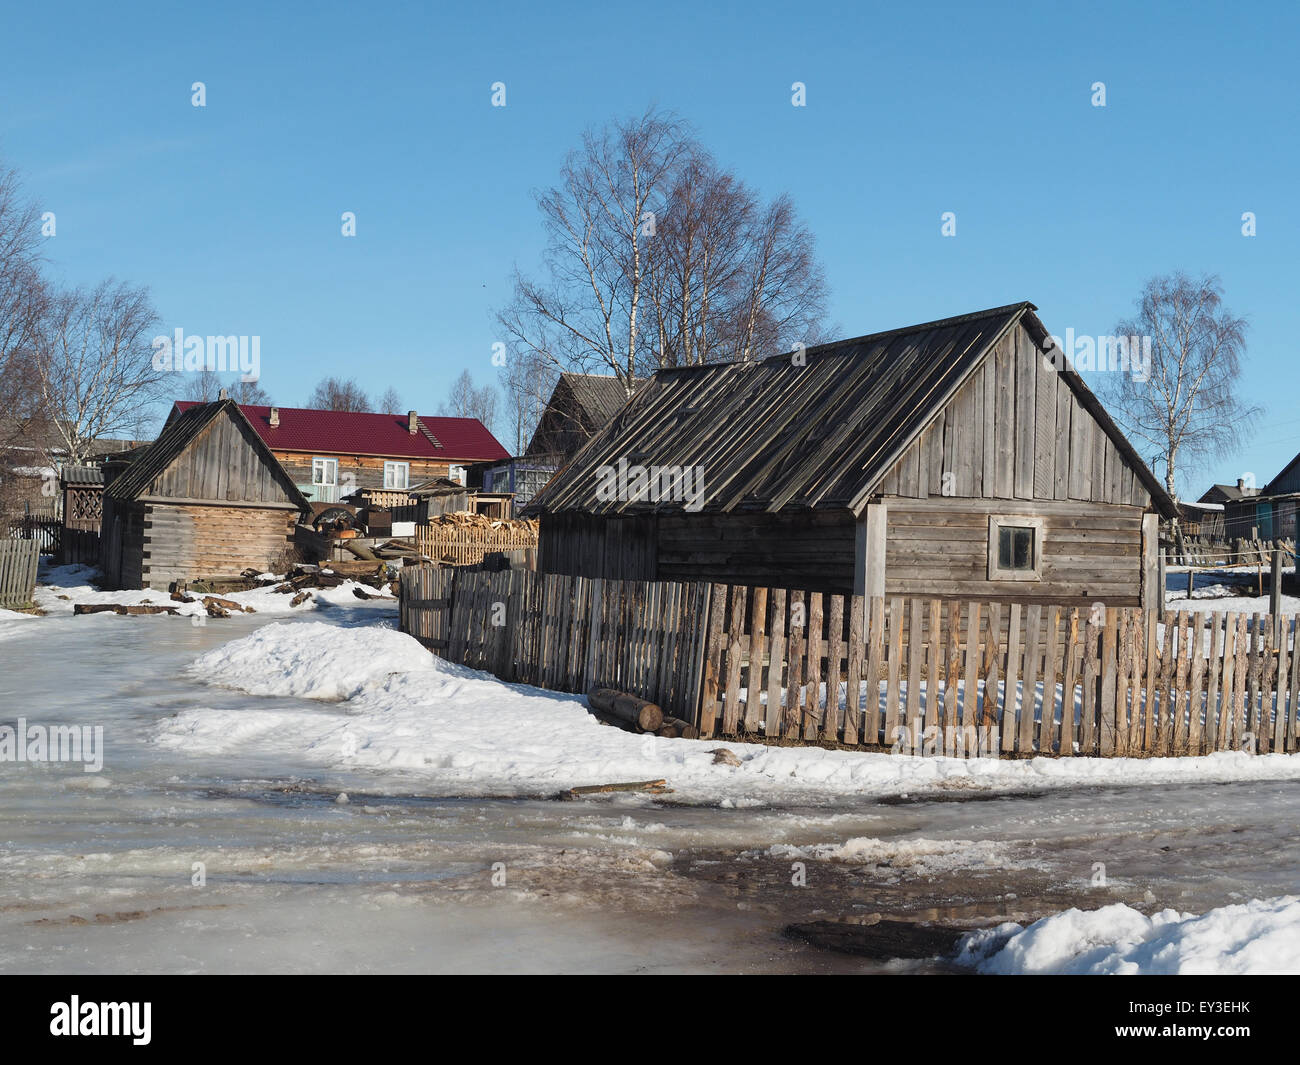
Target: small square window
1015, 548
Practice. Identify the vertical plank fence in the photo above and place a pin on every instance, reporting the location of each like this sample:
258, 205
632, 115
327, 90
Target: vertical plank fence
914, 676
18, 562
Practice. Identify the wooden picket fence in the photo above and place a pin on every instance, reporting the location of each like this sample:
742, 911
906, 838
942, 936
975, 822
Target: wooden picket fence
986, 678
18, 562
918, 676
565, 633
466, 545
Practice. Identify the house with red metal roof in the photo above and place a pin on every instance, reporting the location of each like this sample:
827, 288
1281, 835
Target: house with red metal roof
330, 454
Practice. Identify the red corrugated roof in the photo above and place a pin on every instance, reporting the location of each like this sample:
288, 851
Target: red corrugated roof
333, 432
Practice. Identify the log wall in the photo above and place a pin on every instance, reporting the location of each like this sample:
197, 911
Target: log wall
191, 542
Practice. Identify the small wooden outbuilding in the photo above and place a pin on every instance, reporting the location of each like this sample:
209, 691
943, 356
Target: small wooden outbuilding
958, 458
206, 499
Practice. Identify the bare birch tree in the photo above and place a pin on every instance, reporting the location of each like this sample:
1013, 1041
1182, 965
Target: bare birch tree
526, 385
335, 393
94, 360
23, 301
465, 400
204, 386
658, 257
1187, 408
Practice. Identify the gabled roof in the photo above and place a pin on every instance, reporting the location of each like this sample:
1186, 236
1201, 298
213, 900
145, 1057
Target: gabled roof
178, 434
1268, 488
335, 432
580, 405
599, 396
819, 433
1232, 492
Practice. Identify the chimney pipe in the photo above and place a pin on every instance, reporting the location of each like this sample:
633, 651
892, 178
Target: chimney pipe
1241, 484
275, 417
223, 395
412, 421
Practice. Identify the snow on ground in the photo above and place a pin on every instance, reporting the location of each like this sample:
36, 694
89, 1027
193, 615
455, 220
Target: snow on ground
1258, 937
915, 857
62, 587
265, 663
463, 732
1224, 589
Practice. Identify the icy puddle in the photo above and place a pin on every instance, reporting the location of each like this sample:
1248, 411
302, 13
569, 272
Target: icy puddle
251, 860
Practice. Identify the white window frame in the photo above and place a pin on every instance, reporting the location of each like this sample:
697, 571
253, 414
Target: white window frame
393, 468
323, 465
997, 522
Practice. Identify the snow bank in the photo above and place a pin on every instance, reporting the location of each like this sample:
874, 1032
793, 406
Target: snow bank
1258, 937
467, 733
311, 660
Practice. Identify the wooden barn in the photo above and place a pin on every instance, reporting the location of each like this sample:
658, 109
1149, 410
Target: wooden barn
206, 499
948, 459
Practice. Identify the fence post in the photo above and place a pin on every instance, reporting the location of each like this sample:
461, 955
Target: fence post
1275, 593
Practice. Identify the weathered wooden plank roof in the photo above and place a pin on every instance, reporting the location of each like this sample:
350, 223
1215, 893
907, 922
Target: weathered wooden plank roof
180, 432
778, 433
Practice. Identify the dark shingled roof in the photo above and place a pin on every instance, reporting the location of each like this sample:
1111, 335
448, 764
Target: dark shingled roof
82, 475
181, 431
772, 434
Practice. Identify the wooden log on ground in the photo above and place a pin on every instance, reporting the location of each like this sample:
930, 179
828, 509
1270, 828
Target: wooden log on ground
94, 608
209, 601
676, 728
654, 787
145, 609
643, 714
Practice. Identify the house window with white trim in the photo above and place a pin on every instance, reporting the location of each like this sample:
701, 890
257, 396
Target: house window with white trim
1015, 548
325, 479
397, 475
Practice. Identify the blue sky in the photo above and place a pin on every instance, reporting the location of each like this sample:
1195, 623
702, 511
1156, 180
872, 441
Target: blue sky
230, 213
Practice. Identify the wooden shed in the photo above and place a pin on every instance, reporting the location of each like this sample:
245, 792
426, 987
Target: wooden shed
956, 458
207, 499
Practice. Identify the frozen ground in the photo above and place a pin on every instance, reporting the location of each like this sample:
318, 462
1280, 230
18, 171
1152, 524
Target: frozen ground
233, 745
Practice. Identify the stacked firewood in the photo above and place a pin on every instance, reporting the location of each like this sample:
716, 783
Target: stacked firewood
467, 519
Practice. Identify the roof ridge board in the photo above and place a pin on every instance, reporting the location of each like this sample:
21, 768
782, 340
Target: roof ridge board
938, 323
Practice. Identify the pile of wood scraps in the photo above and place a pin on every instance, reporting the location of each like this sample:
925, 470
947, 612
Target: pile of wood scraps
301, 579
